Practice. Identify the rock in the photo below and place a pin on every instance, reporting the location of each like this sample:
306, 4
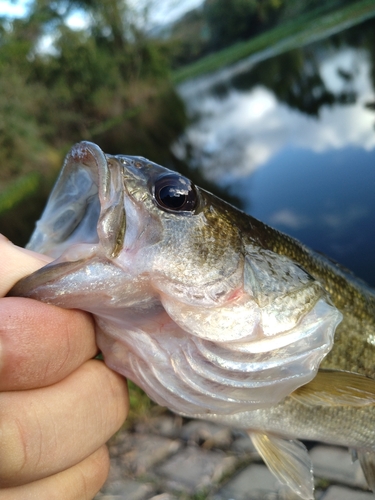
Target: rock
164, 496
340, 493
253, 483
207, 434
242, 445
140, 452
193, 469
125, 490
335, 464
167, 425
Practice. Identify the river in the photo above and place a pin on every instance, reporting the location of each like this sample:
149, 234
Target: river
291, 138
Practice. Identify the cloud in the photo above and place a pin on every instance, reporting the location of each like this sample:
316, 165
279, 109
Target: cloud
341, 220
242, 131
336, 221
289, 219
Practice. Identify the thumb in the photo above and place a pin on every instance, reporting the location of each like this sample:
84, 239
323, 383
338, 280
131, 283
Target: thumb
17, 262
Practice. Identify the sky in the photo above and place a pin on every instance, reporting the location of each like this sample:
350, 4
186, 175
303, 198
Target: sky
165, 11
162, 11
13, 9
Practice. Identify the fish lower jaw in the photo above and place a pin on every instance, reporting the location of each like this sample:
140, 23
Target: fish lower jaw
80, 251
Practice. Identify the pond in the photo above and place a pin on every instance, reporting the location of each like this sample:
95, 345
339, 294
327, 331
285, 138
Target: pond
291, 138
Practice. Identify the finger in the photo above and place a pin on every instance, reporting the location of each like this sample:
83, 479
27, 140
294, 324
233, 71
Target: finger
41, 344
80, 482
16, 263
45, 431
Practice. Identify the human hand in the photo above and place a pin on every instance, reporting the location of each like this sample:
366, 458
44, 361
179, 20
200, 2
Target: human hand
58, 406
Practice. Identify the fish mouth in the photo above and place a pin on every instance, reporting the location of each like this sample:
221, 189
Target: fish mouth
86, 205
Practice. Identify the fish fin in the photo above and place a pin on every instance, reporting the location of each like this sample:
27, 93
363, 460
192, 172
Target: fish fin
367, 461
337, 388
288, 460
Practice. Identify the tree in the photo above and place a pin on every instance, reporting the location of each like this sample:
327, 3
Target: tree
236, 20
107, 82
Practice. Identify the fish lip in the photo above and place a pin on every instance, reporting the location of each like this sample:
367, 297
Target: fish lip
31, 285
86, 205
112, 219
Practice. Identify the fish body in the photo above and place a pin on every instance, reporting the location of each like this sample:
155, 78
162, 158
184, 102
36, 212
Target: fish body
214, 314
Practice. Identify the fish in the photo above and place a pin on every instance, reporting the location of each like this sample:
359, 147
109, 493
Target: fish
214, 314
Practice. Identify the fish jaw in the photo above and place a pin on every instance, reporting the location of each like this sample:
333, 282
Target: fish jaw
86, 206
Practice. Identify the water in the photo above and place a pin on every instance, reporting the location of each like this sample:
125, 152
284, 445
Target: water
292, 138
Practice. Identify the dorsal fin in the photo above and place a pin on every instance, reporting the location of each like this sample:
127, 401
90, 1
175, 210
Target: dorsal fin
337, 388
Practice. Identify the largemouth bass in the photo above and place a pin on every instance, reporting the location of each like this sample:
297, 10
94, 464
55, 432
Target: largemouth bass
214, 314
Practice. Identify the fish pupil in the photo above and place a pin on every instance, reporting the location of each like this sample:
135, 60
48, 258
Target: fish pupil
171, 199
175, 193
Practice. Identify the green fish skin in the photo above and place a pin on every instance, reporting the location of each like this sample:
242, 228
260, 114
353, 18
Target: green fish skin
354, 347
213, 313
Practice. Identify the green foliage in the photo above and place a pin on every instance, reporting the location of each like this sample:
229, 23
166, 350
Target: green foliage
291, 34
221, 23
140, 405
188, 38
19, 189
230, 22
107, 82
92, 78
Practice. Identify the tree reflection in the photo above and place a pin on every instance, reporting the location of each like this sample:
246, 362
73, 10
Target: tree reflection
295, 76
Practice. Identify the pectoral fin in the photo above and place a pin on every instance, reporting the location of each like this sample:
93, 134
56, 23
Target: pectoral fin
288, 460
367, 461
336, 388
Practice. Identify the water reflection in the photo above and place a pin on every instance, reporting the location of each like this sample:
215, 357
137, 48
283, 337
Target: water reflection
324, 199
240, 132
293, 138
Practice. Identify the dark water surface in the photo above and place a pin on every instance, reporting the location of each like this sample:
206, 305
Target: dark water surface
293, 139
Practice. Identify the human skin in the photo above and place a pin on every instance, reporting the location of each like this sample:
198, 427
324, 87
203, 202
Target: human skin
58, 406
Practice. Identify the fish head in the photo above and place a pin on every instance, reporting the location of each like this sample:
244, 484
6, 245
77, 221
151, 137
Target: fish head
189, 301
138, 215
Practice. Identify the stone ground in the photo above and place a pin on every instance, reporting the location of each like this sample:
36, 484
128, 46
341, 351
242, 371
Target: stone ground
171, 458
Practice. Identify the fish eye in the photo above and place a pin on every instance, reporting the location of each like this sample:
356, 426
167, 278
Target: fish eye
175, 193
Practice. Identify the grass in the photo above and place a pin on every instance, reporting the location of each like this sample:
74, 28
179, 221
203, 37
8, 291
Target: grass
140, 405
18, 190
287, 36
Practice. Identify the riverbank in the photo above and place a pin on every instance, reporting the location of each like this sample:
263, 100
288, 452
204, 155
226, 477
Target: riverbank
296, 33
